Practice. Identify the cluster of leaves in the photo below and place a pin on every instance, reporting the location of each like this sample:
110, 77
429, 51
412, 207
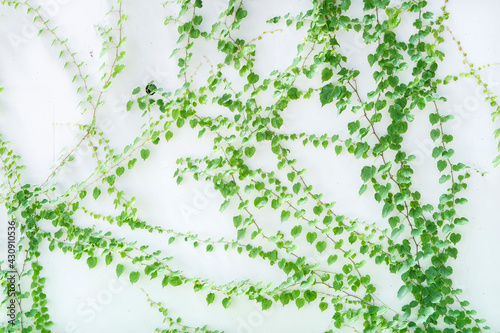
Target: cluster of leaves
321, 252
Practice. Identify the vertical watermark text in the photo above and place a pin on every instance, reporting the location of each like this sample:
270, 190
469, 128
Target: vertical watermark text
11, 279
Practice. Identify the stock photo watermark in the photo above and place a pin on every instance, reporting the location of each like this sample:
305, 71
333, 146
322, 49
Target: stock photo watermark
117, 114
252, 321
460, 112
31, 29
89, 309
11, 272
200, 201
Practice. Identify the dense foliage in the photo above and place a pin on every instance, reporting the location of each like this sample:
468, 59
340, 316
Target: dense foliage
279, 218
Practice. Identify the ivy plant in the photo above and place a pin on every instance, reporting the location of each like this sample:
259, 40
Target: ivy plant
327, 257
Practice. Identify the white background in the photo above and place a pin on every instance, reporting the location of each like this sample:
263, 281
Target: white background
39, 105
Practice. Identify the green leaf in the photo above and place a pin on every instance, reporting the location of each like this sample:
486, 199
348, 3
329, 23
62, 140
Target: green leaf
134, 277
393, 22
427, 311
59, 233
310, 295
378, 75
371, 59
300, 302
441, 165
266, 304
96, 193
252, 78
437, 151
435, 133
119, 269
120, 171
294, 93
285, 215
434, 118
296, 188
428, 15
368, 172
226, 302
241, 233
296, 231
326, 74
332, 259
129, 105
136, 91
362, 189
118, 69
394, 221
403, 291
260, 202
353, 126
455, 238
318, 209
175, 281
381, 103
396, 232
345, 4
496, 161
352, 239
224, 205
91, 262
321, 246
197, 20
387, 209
311, 237
237, 220
168, 135
131, 163
447, 138
250, 151
328, 93
323, 306
109, 259
210, 298
145, 154
241, 13
164, 282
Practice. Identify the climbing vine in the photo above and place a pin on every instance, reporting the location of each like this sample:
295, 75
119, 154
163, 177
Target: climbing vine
327, 257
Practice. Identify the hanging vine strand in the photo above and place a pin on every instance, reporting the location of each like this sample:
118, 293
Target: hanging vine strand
280, 218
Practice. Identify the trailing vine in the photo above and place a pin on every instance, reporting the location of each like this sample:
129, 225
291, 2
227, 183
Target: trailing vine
326, 256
